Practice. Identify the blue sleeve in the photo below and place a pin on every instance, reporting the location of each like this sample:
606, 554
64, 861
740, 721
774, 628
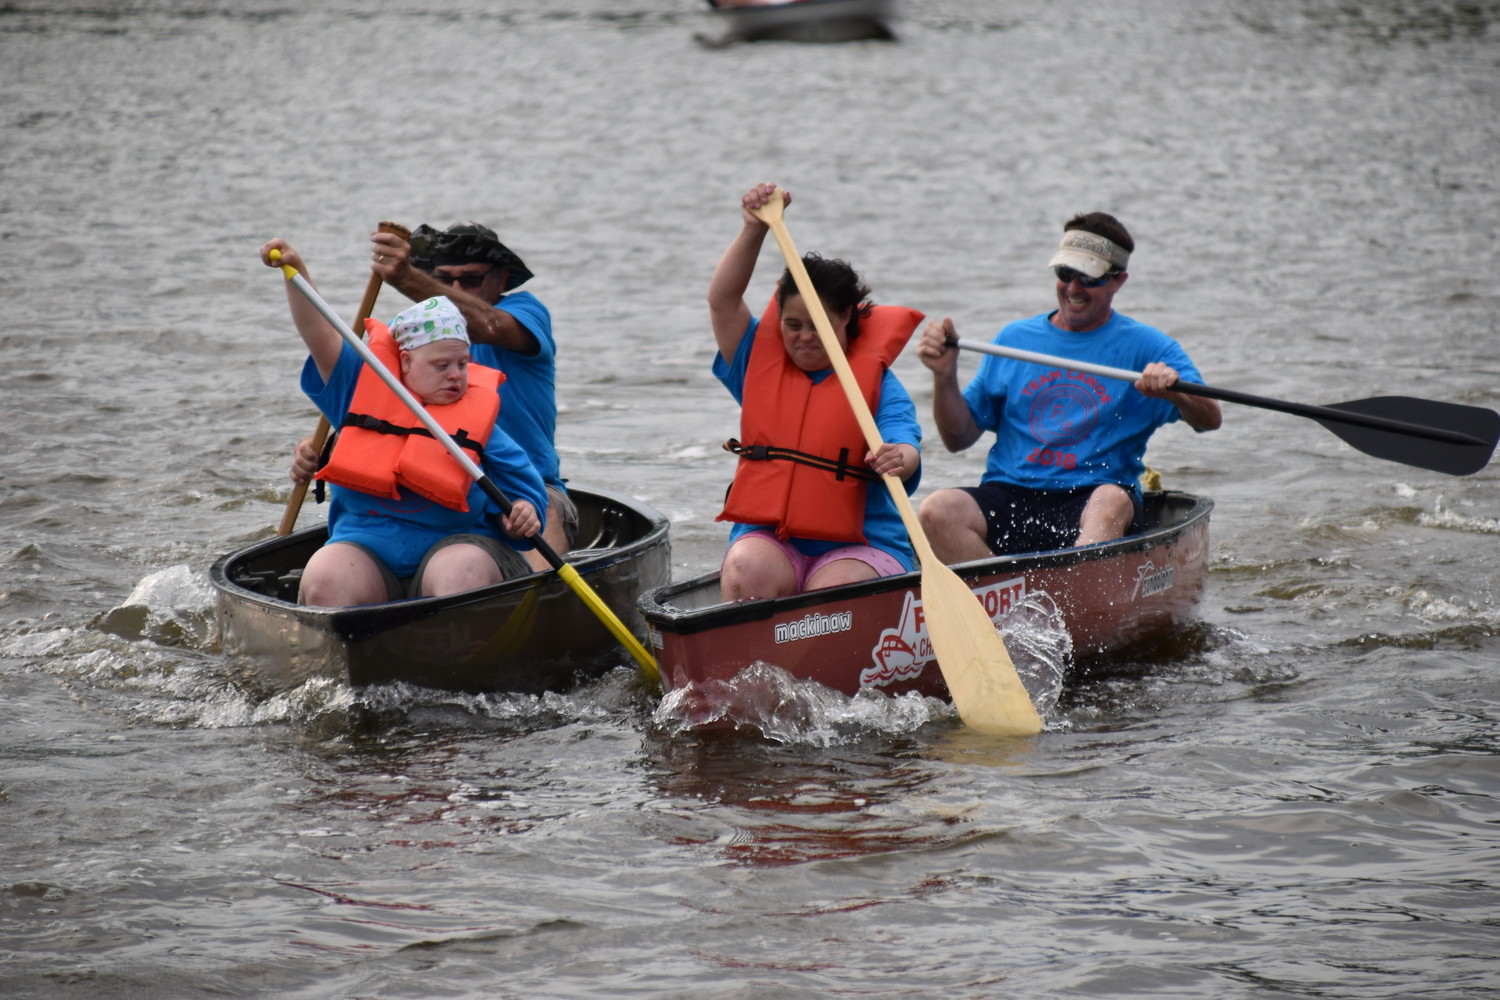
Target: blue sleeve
332, 398
529, 410
896, 414
1186, 372
529, 311
896, 419
732, 373
986, 403
511, 471
1157, 346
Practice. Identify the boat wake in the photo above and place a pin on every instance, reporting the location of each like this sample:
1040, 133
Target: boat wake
171, 607
766, 700
155, 659
1444, 516
1041, 647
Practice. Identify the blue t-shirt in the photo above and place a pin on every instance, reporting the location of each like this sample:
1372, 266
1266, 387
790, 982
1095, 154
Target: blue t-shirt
1057, 428
528, 399
895, 418
401, 531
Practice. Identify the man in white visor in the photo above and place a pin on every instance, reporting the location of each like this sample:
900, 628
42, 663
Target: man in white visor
1069, 447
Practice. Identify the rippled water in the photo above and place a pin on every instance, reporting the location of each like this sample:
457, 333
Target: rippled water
1297, 797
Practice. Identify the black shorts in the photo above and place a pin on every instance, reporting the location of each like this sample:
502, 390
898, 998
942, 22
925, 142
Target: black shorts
1024, 520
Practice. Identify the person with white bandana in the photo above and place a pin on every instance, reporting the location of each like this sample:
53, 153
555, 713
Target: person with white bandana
508, 329
1069, 447
405, 519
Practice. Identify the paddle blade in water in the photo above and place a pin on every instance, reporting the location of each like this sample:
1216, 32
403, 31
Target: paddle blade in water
1445, 451
986, 689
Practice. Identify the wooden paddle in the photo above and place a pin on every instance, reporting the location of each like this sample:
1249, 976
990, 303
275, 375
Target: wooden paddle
320, 433
986, 689
568, 574
1425, 433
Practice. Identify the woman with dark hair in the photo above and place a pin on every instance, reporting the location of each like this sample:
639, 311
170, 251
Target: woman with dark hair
808, 507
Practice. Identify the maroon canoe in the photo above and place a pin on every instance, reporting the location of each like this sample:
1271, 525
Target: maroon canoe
1111, 596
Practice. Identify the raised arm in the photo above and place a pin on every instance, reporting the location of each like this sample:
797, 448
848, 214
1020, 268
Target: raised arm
726, 289
322, 340
390, 257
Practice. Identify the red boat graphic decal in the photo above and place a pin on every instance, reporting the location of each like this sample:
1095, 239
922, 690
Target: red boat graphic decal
904, 651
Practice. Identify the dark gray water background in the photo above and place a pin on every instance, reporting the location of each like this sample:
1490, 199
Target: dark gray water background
1300, 798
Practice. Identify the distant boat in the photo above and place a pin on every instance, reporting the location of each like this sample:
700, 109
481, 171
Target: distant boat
1113, 597
530, 634
803, 21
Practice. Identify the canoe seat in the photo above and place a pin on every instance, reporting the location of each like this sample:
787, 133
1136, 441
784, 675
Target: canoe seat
605, 528
272, 583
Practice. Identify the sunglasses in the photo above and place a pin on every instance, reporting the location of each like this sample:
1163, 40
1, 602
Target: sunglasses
1067, 274
468, 282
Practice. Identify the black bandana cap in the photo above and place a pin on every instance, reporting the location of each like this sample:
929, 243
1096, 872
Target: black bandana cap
463, 243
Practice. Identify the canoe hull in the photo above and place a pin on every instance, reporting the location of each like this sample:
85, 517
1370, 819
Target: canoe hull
1112, 597
527, 635
808, 21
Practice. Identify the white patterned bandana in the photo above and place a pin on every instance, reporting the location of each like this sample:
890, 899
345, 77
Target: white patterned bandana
427, 323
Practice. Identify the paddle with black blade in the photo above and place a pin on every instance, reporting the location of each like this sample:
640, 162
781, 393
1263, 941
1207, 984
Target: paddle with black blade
568, 574
320, 433
986, 689
1444, 437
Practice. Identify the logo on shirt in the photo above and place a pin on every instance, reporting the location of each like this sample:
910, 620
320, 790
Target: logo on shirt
1064, 407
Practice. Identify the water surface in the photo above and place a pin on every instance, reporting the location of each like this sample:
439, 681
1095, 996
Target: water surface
1298, 797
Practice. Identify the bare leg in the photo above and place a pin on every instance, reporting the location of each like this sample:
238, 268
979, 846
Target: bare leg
955, 526
340, 576
754, 567
459, 567
1106, 516
840, 572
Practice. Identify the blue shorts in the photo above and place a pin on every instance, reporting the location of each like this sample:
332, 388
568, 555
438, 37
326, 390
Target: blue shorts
1024, 520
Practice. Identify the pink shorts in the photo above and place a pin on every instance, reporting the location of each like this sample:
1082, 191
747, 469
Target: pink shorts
804, 566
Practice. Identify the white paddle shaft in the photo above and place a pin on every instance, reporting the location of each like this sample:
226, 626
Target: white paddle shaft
412, 403
1104, 371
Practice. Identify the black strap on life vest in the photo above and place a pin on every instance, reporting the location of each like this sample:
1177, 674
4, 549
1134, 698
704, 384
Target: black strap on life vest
319, 487
370, 423
841, 469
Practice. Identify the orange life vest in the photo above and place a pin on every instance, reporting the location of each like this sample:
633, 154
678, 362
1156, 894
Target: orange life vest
382, 446
801, 449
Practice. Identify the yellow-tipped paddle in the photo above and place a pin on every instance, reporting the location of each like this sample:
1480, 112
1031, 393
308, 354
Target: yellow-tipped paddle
986, 689
320, 433
568, 574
